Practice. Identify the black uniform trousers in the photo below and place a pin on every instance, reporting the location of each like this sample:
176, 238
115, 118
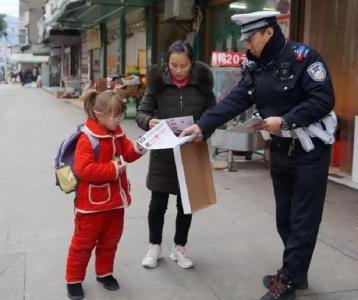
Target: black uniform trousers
299, 182
157, 208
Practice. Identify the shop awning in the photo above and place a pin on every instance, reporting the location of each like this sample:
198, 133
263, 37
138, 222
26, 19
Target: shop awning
77, 14
28, 58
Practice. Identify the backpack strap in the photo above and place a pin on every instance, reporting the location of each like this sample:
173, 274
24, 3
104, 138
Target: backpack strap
93, 140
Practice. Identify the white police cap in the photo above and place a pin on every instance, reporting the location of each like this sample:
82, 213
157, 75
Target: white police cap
252, 22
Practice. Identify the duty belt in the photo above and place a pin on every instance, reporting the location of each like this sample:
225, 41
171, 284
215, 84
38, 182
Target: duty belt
324, 130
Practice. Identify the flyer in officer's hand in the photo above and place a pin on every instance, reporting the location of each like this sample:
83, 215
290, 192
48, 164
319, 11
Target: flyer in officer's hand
247, 126
162, 137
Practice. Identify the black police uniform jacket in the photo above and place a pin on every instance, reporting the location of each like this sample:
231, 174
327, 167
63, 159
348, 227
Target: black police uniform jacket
289, 80
163, 100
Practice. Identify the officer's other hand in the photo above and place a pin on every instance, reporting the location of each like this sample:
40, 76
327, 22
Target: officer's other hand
153, 122
271, 124
193, 130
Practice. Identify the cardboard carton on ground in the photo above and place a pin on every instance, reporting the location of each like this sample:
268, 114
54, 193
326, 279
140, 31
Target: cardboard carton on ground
195, 176
191, 160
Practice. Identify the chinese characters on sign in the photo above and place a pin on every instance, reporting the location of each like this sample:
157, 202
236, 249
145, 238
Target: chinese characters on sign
227, 59
93, 38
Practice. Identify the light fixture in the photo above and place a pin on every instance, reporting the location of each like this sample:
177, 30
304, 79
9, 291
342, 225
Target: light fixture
238, 5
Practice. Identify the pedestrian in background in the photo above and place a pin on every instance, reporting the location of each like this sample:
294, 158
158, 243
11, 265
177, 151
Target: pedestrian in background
291, 87
102, 193
180, 88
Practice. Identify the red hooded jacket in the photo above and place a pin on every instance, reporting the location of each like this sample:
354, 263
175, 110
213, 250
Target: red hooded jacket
101, 187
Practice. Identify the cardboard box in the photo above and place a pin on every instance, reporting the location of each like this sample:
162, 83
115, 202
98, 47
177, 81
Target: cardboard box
132, 90
121, 92
192, 164
101, 85
195, 176
59, 94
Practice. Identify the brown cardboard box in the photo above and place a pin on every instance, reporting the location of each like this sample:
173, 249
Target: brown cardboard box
132, 90
121, 92
101, 85
195, 176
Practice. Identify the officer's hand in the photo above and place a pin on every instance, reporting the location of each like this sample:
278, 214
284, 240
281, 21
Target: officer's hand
153, 122
193, 130
271, 124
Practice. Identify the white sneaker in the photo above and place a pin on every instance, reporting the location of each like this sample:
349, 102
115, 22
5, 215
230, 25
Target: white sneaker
154, 253
179, 255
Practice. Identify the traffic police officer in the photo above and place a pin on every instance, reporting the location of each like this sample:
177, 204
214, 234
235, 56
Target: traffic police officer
291, 87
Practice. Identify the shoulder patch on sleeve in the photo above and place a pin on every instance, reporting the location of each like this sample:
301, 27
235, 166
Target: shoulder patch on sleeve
301, 52
317, 71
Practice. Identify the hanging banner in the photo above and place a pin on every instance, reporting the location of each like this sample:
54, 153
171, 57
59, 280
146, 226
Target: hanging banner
284, 7
93, 38
284, 22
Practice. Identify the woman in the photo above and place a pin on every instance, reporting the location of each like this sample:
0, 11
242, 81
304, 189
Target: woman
181, 88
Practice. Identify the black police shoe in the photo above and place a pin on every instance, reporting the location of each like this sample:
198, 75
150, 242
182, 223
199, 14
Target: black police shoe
75, 291
109, 282
280, 290
269, 279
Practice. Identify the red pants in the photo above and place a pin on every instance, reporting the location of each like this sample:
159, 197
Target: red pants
102, 230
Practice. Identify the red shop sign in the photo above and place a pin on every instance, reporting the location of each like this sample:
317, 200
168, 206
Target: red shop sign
227, 59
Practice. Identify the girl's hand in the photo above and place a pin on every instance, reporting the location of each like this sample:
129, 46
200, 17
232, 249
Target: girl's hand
122, 165
153, 122
140, 148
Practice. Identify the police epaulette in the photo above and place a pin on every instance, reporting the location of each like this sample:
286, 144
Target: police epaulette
301, 52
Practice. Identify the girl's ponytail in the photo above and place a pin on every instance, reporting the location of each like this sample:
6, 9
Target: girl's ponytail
89, 103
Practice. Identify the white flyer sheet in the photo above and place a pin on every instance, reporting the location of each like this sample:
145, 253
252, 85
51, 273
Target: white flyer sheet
161, 137
177, 125
246, 127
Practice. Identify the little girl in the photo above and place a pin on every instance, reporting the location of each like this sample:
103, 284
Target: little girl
102, 193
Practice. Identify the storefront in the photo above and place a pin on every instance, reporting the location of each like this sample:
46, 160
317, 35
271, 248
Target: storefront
181, 22
85, 56
53, 68
165, 34
103, 48
225, 53
93, 45
331, 27
223, 35
112, 40
223, 49
64, 56
136, 37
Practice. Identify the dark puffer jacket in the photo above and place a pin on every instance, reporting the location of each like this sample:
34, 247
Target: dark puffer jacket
163, 100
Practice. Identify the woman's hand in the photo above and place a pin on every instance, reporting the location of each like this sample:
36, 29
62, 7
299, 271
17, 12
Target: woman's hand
153, 122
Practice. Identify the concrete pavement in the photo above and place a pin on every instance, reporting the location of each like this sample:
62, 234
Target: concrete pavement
233, 243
